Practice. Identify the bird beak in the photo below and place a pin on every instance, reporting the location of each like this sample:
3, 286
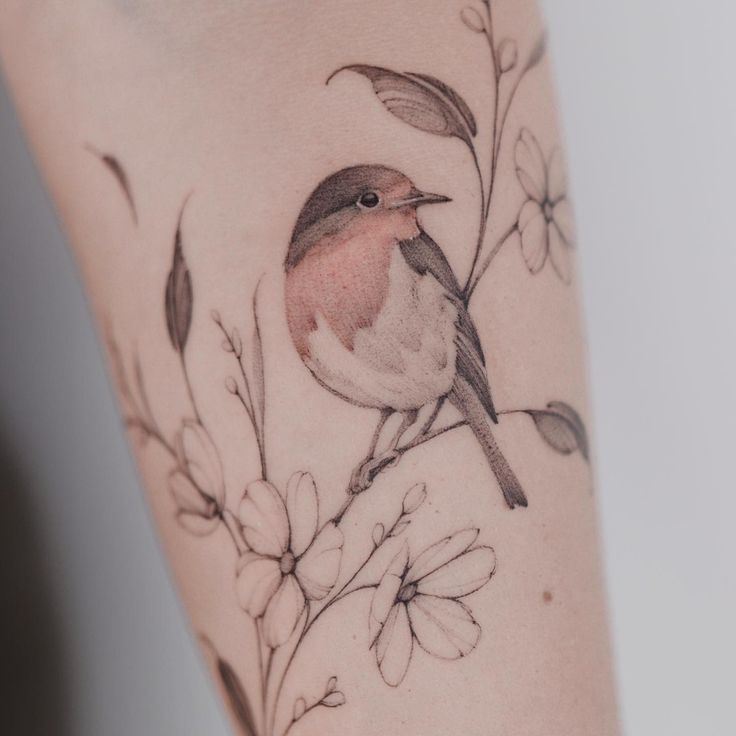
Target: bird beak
415, 198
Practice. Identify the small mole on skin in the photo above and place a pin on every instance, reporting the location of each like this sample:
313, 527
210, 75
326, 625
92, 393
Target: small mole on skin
547, 596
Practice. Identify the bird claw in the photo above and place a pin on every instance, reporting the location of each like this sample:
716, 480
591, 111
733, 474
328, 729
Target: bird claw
364, 475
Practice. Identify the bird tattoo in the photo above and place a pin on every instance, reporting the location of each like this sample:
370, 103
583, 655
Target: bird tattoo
377, 315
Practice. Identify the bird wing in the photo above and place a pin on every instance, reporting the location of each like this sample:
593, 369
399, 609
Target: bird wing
425, 256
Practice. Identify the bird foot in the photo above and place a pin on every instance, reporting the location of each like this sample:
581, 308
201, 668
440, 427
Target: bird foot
364, 475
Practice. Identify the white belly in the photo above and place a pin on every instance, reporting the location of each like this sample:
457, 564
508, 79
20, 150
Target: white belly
403, 361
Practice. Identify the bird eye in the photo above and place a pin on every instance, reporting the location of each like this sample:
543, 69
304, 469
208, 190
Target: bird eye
369, 200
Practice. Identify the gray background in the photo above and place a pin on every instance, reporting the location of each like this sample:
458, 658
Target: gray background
92, 637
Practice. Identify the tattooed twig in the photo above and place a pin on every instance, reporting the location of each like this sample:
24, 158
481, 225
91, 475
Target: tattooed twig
512, 230
255, 410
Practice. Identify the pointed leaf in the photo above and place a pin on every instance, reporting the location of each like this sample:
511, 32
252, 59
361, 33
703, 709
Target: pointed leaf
422, 101
116, 169
454, 97
179, 297
237, 697
561, 428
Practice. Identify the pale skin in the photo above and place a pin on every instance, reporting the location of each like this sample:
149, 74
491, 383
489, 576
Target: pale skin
224, 105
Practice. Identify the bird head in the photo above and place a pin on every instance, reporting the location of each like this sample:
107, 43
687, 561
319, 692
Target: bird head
357, 195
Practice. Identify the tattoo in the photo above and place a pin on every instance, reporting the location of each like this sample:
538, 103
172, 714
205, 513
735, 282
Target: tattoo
380, 319
116, 169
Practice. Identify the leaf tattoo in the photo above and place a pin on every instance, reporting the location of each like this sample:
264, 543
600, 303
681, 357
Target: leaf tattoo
561, 428
420, 100
178, 296
116, 169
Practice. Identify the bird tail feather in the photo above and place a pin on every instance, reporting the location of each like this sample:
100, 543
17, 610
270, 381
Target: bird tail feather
465, 399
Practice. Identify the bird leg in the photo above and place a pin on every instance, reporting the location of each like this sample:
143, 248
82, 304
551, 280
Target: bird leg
373, 464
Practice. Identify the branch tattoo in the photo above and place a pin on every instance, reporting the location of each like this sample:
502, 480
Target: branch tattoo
380, 319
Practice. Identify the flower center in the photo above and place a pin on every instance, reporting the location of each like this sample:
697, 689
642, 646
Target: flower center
548, 209
287, 563
407, 593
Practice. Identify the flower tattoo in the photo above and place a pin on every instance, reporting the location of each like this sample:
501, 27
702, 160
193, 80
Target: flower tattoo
421, 602
545, 220
289, 561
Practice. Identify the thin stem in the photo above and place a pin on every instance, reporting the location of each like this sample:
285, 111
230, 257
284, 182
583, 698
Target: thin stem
247, 400
190, 391
233, 527
261, 679
341, 594
485, 203
481, 225
497, 91
300, 640
531, 64
489, 258
296, 720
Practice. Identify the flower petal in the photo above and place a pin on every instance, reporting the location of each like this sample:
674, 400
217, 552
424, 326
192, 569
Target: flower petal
385, 596
317, 569
560, 254
198, 525
188, 498
461, 576
444, 628
535, 243
257, 581
528, 212
263, 516
199, 456
530, 166
283, 612
303, 510
562, 216
394, 646
440, 554
557, 180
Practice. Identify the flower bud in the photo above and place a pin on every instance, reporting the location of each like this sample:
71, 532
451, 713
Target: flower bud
198, 456
334, 699
508, 55
472, 19
331, 685
231, 385
379, 531
215, 315
300, 708
237, 343
188, 497
414, 498
195, 512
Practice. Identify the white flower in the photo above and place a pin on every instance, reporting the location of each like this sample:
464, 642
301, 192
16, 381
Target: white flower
289, 561
420, 602
545, 220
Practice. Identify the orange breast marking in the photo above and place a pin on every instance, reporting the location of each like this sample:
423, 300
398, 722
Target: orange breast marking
345, 279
